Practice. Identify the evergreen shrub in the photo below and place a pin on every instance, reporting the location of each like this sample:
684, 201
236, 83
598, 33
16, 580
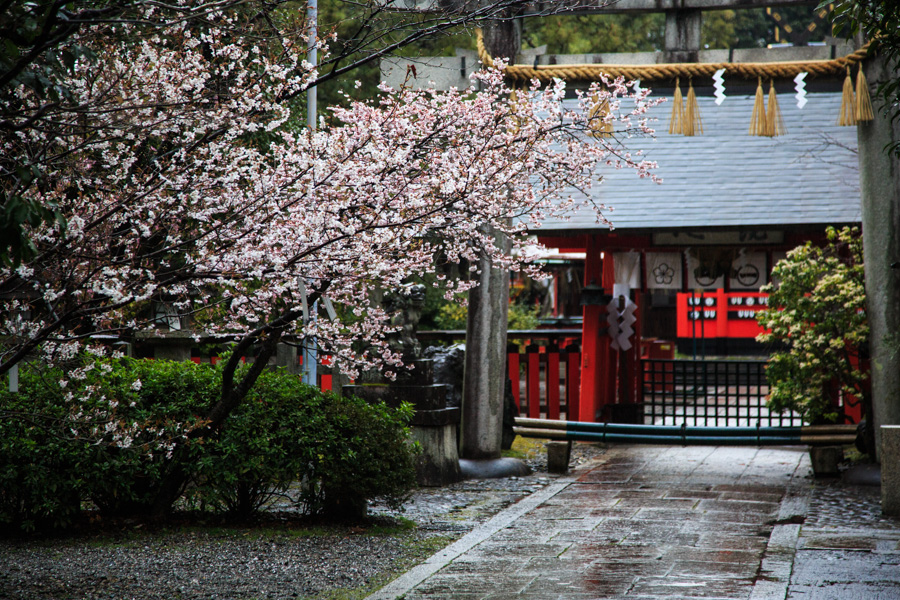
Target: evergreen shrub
106, 437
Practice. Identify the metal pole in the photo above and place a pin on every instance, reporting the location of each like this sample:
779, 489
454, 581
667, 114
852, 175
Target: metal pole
13, 375
312, 15
310, 355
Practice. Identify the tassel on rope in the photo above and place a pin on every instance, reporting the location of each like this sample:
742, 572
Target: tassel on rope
692, 122
774, 122
600, 125
863, 100
676, 123
848, 103
758, 118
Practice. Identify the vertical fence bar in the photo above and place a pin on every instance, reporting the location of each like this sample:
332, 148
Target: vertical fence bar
573, 381
513, 367
533, 381
552, 380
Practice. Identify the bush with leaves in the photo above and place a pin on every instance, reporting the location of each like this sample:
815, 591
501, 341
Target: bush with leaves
39, 459
343, 452
56, 452
96, 435
362, 452
817, 310
262, 449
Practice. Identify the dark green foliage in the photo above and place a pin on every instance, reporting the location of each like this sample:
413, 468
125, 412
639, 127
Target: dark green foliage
361, 452
37, 461
123, 478
286, 432
879, 21
261, 451
108, 441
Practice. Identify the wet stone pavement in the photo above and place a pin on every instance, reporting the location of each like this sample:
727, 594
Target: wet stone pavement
846, 549
647, 522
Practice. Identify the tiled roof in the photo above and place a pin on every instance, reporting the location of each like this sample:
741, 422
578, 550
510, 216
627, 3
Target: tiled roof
727, 178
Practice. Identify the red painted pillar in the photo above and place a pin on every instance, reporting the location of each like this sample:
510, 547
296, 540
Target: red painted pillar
610, 357
573, 381
552, 380
591, 342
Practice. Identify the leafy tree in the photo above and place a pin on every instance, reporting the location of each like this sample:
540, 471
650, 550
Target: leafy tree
645, 32
817, 310
878, 21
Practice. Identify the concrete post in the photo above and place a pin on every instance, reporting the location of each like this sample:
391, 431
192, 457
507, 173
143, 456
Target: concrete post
890, 469
177, 350
879, 181
286, 356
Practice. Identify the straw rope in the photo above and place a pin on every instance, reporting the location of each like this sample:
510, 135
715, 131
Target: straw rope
656, 72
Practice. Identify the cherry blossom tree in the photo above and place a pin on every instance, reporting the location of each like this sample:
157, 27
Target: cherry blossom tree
42, 41
185, 180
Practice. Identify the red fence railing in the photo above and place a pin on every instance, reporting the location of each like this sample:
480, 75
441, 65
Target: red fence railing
544, 368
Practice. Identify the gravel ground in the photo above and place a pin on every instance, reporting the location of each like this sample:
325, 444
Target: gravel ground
260, 563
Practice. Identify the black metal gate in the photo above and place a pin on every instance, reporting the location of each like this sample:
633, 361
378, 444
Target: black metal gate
709, 393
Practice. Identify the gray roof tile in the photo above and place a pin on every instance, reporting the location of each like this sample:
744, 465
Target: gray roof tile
727, 178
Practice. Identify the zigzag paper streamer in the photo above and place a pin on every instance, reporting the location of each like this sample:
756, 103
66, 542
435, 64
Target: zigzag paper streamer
612, 322
620, 323
719, 85
801, 89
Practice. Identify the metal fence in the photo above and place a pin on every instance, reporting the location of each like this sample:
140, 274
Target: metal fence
709, 393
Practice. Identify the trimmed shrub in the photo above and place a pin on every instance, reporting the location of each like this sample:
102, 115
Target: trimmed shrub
39, 461
102, 432
362, 452
111, 433
155, 404
263, 449
342, 451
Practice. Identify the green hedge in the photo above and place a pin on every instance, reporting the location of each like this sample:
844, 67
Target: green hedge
59, 449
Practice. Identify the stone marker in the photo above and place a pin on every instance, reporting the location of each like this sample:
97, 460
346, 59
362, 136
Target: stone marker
890, 469
558, 455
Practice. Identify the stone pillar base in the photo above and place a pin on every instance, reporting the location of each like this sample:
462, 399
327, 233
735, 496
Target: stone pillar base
439, 462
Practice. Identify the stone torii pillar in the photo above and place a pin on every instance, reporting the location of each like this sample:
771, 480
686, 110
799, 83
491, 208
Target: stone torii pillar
879, 182
484, 380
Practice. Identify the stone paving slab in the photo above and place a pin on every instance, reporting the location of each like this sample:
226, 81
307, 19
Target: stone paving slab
646, 522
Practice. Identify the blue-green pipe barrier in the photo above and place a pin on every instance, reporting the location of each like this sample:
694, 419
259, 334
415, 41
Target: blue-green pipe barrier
684, 435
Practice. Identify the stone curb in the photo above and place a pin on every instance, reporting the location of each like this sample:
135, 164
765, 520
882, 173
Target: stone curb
407, 581
777, 565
